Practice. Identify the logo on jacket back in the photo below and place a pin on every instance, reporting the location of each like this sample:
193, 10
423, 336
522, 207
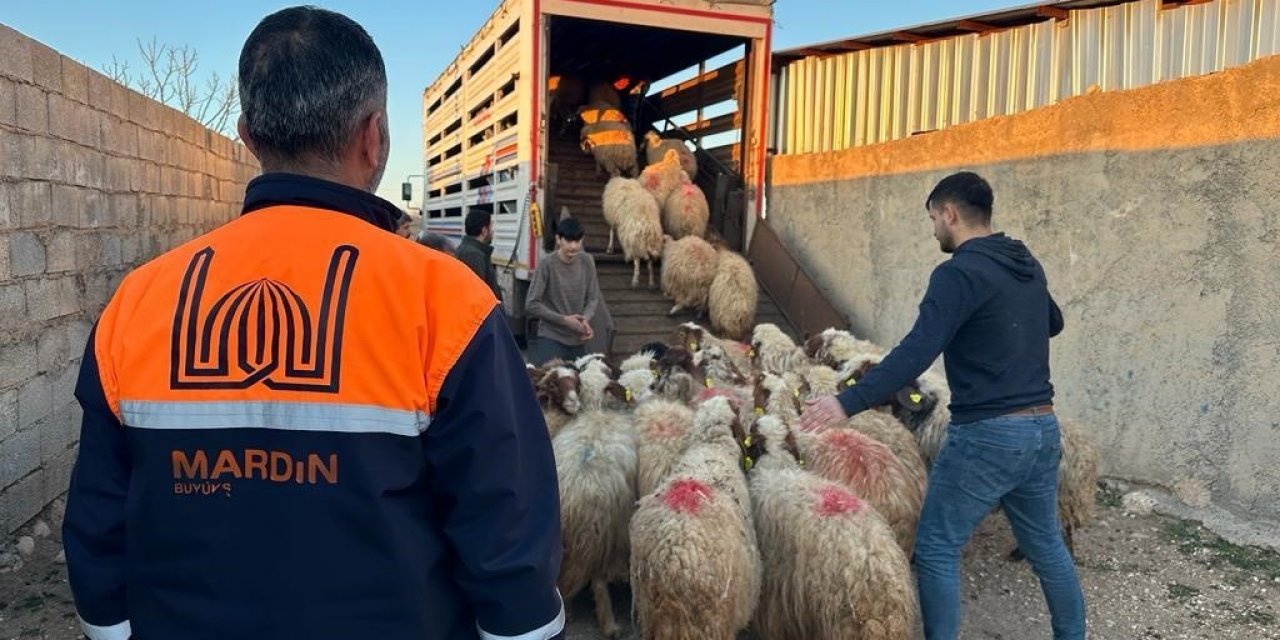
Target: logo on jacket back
260, 331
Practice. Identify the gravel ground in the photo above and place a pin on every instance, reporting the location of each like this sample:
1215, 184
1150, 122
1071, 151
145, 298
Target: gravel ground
1145, 578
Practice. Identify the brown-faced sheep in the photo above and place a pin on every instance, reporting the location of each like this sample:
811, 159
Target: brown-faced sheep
686, 212
695, 567
557, 393
694, 337
688, 269
678, 377
835, 347
607, 136
596, 465
656, 148
632, 214
832, 567
733, 297
661, 178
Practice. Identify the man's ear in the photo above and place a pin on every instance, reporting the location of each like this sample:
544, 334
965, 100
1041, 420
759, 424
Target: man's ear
371, 139
242, 127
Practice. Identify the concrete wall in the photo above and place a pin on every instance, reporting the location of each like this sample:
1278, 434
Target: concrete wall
1154, 212
94, 180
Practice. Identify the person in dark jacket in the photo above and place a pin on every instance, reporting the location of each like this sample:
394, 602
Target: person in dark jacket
476, 250
989, 310
326, 435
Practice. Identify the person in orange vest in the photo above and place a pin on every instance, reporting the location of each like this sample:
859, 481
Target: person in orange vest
300, 425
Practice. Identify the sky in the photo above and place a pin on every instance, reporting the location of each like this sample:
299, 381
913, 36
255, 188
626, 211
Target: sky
417, 39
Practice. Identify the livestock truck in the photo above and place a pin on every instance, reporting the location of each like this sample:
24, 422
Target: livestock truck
496, 138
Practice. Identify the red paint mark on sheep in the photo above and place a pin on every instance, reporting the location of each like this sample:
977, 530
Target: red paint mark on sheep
834, 501
666, 429
686, 496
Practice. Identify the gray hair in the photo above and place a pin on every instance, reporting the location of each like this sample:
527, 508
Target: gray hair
308, 78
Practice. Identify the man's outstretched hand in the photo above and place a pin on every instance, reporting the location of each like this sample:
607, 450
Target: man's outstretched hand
821, 414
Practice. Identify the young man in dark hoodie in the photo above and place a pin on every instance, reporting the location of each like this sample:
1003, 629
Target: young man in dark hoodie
989, 309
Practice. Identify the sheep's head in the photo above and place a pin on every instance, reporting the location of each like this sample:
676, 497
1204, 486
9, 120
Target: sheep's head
559, 389
818, 349
690, 336
594, 361
653, 138
671, 157
910, 404
617, 395
713, 358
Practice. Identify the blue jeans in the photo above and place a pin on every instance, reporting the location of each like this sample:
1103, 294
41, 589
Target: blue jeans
1011, 461
544, 349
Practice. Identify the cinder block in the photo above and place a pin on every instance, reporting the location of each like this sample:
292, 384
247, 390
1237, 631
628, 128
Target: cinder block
13, 308
15, 54
124, 210
17, 362
129, 251
78, 336
26, 254
7, 219
52, 350
19, 455
69, 296
64, 384
75, 80
22, 501
8, 413
46, 67
4, 257
57, 474
33, 204
8, 102
42, 300
60, 252
33, 108
117, 173
100, 89
111, 250
64, 118
35, 400
96, 211
120, 100
68, 204
58, 431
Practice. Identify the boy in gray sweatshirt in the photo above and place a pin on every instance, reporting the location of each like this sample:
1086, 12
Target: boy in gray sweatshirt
564, 296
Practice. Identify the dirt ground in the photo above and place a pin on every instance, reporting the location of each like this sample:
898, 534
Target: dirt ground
1145, 578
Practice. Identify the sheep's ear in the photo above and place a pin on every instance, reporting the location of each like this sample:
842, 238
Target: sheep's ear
912, 399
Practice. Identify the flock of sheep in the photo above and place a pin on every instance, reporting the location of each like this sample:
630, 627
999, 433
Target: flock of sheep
683, 472
663, 215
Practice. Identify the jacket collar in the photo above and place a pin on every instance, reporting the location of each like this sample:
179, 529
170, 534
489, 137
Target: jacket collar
486, 248
275, 189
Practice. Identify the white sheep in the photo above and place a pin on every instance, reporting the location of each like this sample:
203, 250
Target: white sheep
661, 178
774, 351
662, 430
688, 269
596, 465
835, 347
686, 212
695, 567
656, 148
832, 567
733, 297
694, 337
632, 215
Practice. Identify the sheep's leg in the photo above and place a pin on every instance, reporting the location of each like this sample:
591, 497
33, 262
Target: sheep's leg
609, 249
635, 273
604, 609
650, 264
676, 309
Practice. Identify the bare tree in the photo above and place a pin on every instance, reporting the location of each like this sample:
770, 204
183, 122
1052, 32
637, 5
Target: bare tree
169, 76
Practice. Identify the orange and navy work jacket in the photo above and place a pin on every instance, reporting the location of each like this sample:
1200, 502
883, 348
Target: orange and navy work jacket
300, 425
604, 126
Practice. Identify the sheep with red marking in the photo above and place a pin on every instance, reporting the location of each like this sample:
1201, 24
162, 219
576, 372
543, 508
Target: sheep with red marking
596, 465
688, 270
734, 296
832, 566
695, 567
686, 212
662, 430
663, 177
694, 337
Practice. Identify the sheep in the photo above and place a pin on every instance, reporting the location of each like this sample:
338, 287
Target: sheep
557, 393
604, 93
678, 377
695, 337
774, 351
835, 347
607, 136
656, 148
596, 465
695, 566
832, 567
566, 94
688, 270
662, 431
686, 212
718, 367
633, 215
661, 178
733, 297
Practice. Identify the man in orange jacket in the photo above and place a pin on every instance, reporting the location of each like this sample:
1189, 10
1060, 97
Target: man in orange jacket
300, 425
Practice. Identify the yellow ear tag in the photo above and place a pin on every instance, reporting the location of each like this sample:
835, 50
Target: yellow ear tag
850, 382
693, 346
796, 393
759, 411
707, 382
747, 463
751, 353
916, 398
628, 395
747, 442
801, 461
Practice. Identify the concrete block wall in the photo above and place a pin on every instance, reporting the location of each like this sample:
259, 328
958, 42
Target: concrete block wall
95, 179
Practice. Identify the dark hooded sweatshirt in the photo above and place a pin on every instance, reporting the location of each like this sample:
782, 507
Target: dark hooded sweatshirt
989, 309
